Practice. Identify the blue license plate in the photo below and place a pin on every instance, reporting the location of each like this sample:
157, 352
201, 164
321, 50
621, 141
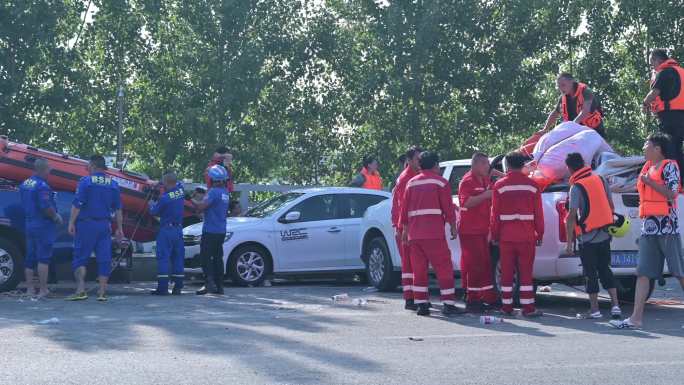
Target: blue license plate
623, 259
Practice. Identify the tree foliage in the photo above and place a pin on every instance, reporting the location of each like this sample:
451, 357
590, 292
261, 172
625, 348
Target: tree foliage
302, 89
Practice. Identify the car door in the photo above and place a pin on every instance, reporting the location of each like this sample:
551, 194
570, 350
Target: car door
315, 241
353, 207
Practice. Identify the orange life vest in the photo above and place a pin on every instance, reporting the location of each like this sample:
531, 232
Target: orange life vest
677, 103
651, 202
594, 118
599, 214
373, 180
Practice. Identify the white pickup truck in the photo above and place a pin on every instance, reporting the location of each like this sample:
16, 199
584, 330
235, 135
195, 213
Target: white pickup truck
383, 265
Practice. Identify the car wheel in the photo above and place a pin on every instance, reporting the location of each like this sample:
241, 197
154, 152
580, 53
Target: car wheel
626, 288
249, 265
379, 269
11, 260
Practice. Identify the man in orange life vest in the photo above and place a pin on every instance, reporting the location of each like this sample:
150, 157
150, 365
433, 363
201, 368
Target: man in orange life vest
412, 168
368, 177
590, 212
577, 103
658, 186
666, 100
475, 200
517, 226
426, 208
222, 157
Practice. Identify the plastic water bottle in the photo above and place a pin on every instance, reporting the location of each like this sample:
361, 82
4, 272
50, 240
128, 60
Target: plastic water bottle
360, 302
339, 298
490, 319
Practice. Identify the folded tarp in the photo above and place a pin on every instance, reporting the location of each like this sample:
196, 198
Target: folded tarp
621, 173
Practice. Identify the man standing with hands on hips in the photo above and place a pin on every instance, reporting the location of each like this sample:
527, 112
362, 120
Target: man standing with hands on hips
42, 219
97, 197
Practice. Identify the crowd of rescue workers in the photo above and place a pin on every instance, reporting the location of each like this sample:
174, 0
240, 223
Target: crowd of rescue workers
496, 209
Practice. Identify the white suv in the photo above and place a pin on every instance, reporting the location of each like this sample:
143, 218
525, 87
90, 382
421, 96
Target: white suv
302, 231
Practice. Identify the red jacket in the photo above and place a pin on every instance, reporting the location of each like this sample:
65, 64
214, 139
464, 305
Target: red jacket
475, 220
229, 182
517, 214
398, 194
427, 206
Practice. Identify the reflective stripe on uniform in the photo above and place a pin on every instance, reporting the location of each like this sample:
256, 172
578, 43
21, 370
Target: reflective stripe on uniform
448, 302
517, 187
481, 288
406, 275
507, 301
407, 288
163, 276
447, 291
526, 288
417, 301
420, 289
507, 289
518, 217
526, 301
420, 182
416, 213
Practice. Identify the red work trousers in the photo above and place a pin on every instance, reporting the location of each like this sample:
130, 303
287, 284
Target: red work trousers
517, 257
476, 264
435, 252
406, 270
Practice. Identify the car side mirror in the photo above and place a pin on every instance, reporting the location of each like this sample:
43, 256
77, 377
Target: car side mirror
292, 216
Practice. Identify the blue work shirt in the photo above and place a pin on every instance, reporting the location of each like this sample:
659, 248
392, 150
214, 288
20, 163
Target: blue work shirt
97, 196
169, 208
36, 197
217, 211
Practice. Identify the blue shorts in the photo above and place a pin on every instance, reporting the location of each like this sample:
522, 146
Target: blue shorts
39, 242
93, 236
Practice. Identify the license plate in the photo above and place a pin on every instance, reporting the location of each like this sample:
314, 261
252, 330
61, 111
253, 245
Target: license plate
623, 259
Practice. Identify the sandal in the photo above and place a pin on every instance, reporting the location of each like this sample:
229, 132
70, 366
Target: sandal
102, 297
590, 315
624, 324
82, 296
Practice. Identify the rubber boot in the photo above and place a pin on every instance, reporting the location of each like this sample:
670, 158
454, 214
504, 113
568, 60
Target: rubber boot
423, 309
410, 305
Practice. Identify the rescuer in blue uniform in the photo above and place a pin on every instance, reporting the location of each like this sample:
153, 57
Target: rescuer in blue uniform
169, 209
42, 219
215, 208
97, 198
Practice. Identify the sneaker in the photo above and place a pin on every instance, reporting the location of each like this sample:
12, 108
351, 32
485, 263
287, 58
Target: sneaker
176, 291
423, 309
590, 315
451, 310
624, 324
616, 312
82, 296
410, 305
102, 298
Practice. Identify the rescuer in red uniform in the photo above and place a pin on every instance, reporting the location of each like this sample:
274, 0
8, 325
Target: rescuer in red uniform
412, 168
426, 208
475, 200
517, 223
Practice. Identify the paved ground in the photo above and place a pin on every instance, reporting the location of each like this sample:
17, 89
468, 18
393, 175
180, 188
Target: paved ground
293, 334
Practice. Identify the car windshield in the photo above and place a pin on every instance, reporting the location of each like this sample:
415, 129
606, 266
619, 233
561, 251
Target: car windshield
272, 205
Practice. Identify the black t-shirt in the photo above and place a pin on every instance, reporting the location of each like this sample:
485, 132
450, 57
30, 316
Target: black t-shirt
572, 103
668, 83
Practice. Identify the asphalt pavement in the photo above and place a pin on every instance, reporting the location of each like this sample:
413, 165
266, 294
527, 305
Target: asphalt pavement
294, 334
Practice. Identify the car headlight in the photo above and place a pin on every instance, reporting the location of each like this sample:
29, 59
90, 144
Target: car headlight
192, 240
228, 236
